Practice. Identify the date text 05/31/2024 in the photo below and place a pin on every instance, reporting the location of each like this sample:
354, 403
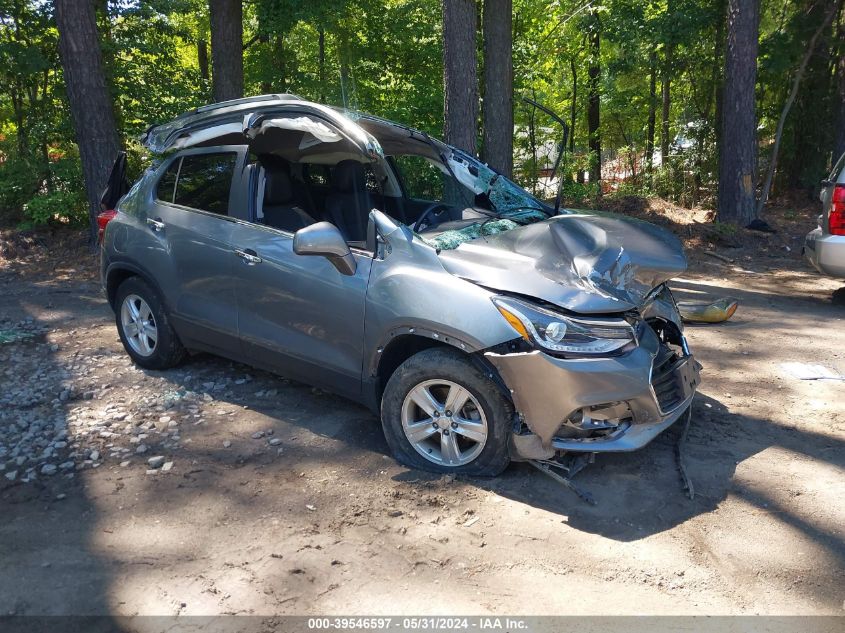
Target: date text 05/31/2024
425, 623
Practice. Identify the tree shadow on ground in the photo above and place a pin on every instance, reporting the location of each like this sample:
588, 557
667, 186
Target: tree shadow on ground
48, 563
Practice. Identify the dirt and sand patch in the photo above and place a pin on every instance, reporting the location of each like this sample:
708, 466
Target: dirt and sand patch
280, 498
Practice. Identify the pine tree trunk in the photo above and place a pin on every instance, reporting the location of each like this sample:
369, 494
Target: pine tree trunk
573, 105
279, 64
498, 85
90, 103
652, 110
738, 155
594, 102
716, 74
666, 102
227, 62
202, 58
322, 61
839, 116
460, 74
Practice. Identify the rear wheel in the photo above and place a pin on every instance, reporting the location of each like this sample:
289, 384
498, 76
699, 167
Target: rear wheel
442, 413
144, 328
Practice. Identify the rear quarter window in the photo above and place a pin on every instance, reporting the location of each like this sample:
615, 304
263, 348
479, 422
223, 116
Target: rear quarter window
318, 175
205, 181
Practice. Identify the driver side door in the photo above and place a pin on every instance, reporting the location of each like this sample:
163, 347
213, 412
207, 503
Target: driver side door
298, 315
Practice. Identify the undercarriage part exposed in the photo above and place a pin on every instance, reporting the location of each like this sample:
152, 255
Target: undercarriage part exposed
571, 464
679, 456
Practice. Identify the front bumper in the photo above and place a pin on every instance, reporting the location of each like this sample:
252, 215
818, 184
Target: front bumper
826, 252
548, 390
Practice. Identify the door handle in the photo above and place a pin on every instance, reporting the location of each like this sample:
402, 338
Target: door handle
156, 225
249, 256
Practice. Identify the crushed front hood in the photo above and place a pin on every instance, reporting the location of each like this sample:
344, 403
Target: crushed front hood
583, 262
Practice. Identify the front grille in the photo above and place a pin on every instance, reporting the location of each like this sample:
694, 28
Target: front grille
665, 380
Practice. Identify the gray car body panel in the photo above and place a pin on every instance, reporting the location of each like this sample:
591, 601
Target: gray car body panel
302, 317
410, 292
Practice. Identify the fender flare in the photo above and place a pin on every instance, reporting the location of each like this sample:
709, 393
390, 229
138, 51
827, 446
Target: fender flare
116, 267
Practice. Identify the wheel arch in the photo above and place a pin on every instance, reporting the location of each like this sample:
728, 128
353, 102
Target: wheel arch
119, 272
402, 345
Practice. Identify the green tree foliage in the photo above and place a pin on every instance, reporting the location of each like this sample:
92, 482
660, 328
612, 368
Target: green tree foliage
385, 57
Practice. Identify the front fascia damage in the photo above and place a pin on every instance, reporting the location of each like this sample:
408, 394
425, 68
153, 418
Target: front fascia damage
605, 404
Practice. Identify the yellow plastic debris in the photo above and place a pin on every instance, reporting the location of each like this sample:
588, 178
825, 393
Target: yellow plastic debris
715, 312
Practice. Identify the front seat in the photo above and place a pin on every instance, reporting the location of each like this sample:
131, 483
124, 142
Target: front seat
281, 208
348, 204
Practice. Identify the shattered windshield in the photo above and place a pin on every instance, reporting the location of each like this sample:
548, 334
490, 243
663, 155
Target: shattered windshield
502, 204
447, 197
506, 198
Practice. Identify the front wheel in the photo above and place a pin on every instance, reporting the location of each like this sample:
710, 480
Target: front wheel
440, 412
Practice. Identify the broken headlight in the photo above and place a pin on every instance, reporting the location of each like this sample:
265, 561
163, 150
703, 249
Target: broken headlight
557, 333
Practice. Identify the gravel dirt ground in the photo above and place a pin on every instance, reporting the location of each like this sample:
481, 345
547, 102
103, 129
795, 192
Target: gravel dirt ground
270, 497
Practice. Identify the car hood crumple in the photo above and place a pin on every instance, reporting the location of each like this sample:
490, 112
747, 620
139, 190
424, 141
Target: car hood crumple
589, 263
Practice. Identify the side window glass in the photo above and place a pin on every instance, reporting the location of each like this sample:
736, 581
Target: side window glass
205, 181
167, 182
371, 180
422, 179
318, 175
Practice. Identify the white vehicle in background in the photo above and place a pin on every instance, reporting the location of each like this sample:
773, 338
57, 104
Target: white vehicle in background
825, 245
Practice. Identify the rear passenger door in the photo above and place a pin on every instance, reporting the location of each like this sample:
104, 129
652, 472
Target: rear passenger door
194, 197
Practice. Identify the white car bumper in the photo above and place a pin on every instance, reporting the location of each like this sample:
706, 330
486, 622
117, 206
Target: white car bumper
826, 252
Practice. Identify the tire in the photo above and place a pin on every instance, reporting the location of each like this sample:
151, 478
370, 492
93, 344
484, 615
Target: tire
162, 351
438, 371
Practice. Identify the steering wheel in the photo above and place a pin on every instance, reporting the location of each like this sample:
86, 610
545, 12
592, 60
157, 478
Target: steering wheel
428, 211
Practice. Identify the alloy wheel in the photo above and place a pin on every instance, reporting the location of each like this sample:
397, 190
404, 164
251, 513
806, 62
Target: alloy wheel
139, 325
444, 422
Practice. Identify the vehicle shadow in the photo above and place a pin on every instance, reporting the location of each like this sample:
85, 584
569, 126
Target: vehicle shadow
639, 494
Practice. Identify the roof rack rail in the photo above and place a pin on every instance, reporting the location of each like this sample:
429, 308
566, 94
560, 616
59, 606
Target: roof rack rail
233, 102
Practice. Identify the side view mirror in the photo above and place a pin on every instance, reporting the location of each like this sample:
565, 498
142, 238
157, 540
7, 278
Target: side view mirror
324, 239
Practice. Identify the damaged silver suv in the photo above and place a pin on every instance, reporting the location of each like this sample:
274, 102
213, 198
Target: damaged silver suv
368, 259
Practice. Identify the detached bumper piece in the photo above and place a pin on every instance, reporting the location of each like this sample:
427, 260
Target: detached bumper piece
715, 312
